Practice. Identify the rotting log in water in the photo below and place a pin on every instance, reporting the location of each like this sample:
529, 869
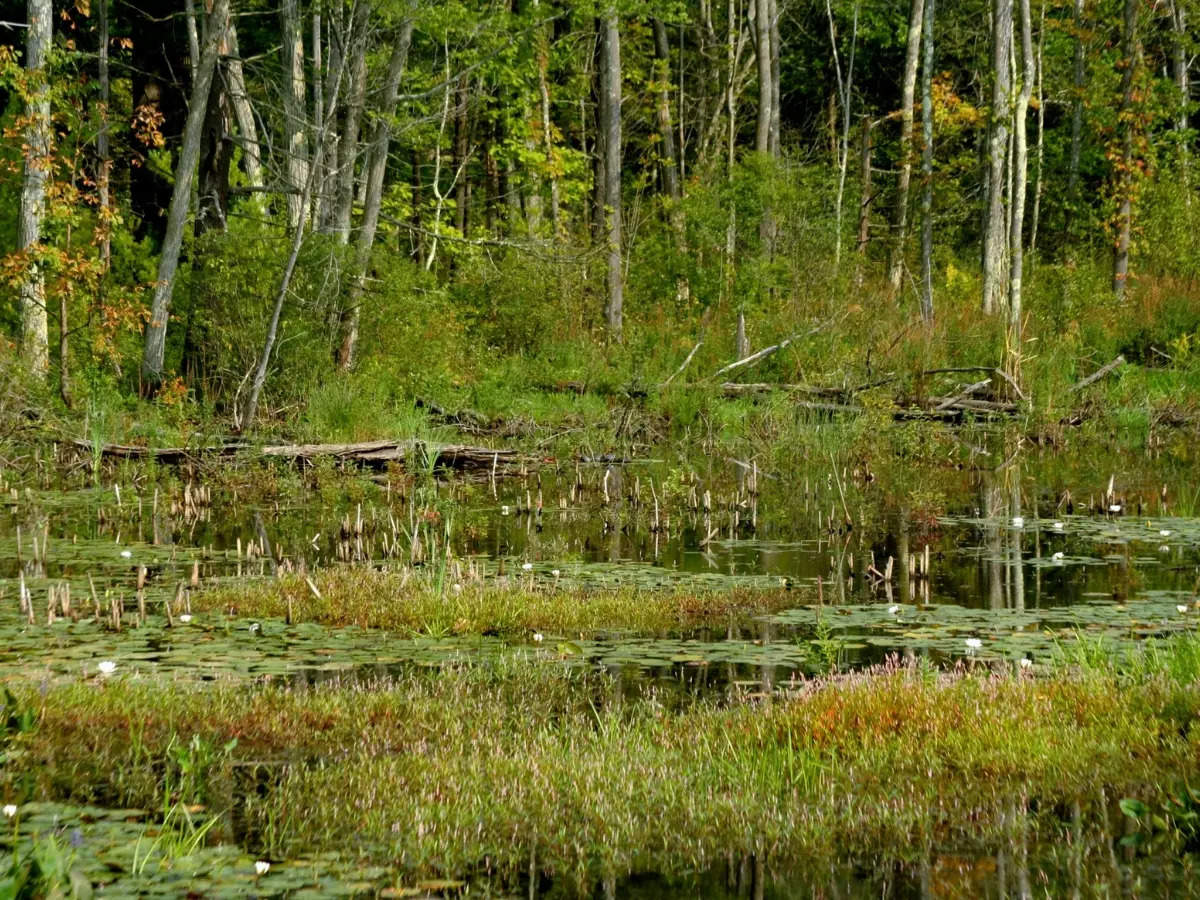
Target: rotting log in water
376, 454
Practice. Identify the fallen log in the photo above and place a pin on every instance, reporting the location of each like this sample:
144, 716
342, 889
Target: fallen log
1098, 374
375, 454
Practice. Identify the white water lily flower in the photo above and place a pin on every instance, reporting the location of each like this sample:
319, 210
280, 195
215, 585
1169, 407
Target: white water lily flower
527, 567
1018, 522
185, 618
555, 572
255, 628
107, 667
1058, 555
262, 867
893, 609
1164, 533
1181, 608
974, 643
537, 637
1115, 508
1058, 526
504, 510
126, 554
1026, 662
10, 810
1163, 548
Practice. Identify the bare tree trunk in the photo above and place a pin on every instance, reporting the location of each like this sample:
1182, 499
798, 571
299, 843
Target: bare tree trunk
376, 169
927, 165
35, 338
216, 150
766, 103
1079, 82
1125, 177
356, 93
543, 60
293, 109
866, 195
243, 113
730, 91
662, 53
1020, 181
462, 152
612, 172
189, 11
103, 151
907, 98
996, 248
1179, 63
842, 146
321, 201
289, 268
1040, 153
598, 156
775, 148
189, 153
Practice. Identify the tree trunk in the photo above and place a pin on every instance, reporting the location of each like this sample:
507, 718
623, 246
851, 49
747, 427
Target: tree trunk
193, 33
216, 150
866, 195
996, 248
766, 103
1040, 155
376, 169
1125, 177
189, 153
1079, 82
1020, 181
103, 151
356, 93
907, 95
243, 113
598, 156
612, 172
289, 268
776, 145
670, 163
543, 63
320, 204
1179, 63
927, 165
462, 150
35, 339
293, 109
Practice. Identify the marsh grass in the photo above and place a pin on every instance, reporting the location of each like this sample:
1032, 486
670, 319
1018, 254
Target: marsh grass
476, 771
435, 602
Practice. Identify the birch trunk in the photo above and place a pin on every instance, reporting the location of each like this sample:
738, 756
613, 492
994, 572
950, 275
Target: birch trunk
612, 172
293, 109
907, 96
927, 165
35, 339
1020, 181
996, 247
1125, 177
376, 169
216, 151
189, 153
773, 10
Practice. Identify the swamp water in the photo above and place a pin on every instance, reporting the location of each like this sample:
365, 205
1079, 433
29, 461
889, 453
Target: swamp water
982, 568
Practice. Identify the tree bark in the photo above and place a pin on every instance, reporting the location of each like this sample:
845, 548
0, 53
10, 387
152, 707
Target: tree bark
356, 92
103, 151
243, 113
189, 153
35, 339
1020, 181
766, 103
612, 173
996, 247
1179, 64
216, 150
776, 105
293, 109
376, 169
670, 163
927, 165
907, 98
1079, 82
1125, 179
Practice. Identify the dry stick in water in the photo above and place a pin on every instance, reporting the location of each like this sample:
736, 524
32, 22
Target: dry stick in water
963, 394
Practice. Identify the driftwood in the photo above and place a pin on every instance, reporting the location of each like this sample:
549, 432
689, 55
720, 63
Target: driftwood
741, 389
964, 394
375, 454
679, 371
1098, 374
